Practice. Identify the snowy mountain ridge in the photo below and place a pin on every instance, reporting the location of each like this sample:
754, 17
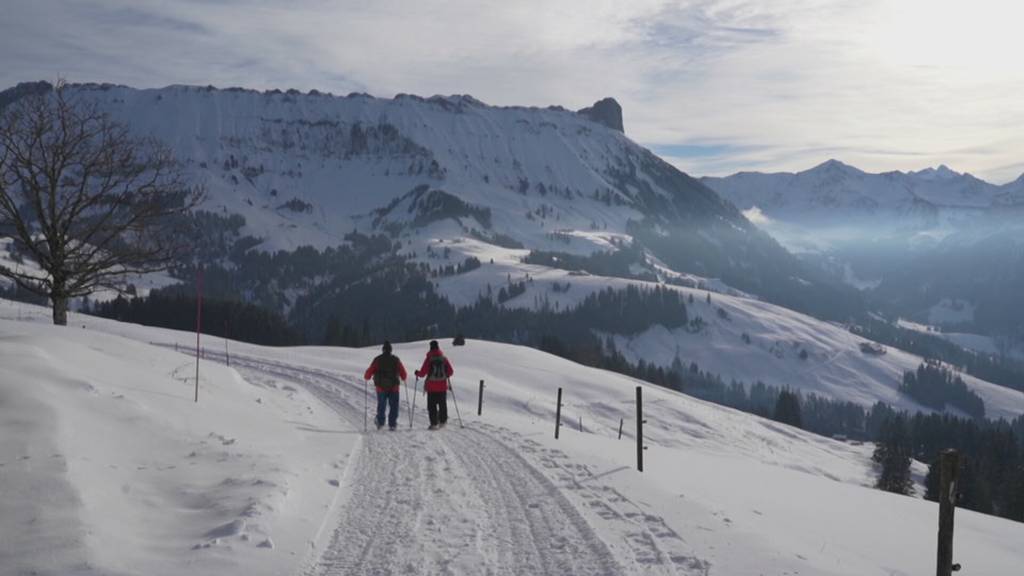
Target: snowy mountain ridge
308, 168
834, 192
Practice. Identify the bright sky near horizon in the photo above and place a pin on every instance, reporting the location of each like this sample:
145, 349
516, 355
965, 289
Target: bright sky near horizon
715, 86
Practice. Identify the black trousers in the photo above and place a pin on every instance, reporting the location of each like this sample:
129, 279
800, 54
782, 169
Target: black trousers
437, 407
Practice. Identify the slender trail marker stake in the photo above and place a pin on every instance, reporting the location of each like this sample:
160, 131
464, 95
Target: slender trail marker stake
480, 400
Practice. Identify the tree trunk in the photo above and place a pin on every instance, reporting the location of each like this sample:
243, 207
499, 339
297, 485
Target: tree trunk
60, 309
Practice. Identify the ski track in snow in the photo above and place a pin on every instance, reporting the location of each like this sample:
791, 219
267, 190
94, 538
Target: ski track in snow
471, 501
651, 543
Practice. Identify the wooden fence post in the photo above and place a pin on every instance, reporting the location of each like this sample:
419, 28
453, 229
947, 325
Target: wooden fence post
227, 355
558, 413
949, 466
640, 429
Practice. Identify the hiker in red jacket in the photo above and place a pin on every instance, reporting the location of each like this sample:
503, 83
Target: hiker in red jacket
386, 371
437, 370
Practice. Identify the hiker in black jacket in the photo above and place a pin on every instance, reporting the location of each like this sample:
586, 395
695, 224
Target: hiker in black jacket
386, 371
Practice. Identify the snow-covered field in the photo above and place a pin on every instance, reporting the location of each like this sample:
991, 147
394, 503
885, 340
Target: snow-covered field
108, 467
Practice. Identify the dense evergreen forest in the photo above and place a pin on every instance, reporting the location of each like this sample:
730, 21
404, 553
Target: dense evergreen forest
224, 318
937, 387
992, 458
996, 369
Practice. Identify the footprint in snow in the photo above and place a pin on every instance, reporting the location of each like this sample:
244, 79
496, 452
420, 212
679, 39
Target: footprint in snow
233, 528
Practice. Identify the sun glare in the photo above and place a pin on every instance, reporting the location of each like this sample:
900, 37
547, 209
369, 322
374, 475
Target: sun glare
972, 38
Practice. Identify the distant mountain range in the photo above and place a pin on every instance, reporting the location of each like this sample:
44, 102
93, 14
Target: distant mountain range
834, 193
937, 246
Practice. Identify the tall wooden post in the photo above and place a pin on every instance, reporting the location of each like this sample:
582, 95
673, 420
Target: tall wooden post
480, 400
949, 472
558, 413
639, 429
227, 356
199, 321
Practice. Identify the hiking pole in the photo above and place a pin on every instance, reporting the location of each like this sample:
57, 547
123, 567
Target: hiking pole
366, 405
415, 391
407, 396
456, 401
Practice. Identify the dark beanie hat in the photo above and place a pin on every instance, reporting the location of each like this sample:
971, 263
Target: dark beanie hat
387, 347
434, 345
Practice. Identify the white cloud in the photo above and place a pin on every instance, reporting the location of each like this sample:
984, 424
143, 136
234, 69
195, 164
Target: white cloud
782, 85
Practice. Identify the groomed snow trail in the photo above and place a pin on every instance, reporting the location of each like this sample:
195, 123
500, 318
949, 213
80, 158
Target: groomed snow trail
455, 501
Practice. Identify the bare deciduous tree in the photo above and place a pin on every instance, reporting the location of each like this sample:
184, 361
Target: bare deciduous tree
85, 200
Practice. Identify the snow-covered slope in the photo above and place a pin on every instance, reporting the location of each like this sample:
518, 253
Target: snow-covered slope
108, 467
834, 366
309, 168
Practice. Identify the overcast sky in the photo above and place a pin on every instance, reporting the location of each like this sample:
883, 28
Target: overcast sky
715, 86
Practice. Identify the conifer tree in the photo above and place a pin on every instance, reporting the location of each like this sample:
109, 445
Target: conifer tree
787, 409
892, 453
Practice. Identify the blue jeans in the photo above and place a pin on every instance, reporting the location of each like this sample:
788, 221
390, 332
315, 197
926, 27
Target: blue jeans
389, 398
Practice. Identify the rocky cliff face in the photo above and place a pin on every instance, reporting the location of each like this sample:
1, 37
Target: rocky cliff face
606, 111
